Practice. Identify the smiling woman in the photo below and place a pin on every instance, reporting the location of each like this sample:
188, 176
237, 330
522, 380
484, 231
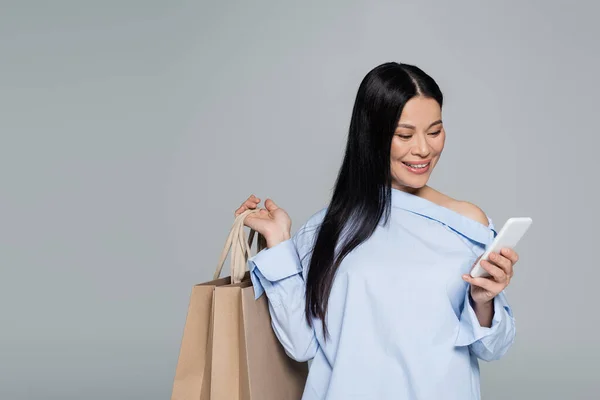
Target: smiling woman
418, 142
374, 288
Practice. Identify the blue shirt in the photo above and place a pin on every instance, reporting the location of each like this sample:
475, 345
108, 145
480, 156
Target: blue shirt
400, 321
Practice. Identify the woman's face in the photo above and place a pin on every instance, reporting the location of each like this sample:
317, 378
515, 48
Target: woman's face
417, 143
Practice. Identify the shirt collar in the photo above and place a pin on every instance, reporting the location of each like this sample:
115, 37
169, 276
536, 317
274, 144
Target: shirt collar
465, 226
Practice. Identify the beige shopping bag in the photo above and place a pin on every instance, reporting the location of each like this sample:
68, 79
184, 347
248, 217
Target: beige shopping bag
229, 349
192, 374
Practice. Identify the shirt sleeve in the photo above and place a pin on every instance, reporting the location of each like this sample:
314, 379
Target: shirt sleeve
280, 273
487, 343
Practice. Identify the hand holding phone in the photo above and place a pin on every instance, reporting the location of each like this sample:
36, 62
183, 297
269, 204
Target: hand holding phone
508, 237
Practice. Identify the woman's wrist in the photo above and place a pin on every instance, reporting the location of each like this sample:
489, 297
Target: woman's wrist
274, 240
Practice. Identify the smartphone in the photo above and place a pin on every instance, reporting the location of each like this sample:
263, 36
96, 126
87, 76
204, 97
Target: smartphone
508, 237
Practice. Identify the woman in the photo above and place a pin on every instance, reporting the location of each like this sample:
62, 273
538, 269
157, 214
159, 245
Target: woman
375, 288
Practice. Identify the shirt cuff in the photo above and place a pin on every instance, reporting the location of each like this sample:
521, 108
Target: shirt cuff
273, 264
470, 331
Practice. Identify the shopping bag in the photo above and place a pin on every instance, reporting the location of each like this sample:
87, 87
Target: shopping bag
192, 373
229, 350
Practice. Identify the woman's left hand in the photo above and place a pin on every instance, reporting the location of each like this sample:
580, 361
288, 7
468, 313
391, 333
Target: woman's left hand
484, 289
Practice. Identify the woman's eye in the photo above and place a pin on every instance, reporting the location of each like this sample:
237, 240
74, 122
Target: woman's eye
435, 133
404, 136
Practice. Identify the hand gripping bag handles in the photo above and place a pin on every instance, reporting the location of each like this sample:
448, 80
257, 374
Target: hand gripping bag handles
229, 350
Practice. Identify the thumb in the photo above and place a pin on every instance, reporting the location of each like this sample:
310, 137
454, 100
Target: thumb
270, 205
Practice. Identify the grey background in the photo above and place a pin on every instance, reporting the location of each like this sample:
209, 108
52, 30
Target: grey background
131, 130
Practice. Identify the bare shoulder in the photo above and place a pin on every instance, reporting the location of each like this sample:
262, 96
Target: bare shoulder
464, 208
469, 210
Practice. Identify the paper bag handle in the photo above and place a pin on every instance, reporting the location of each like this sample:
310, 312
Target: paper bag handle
240, 250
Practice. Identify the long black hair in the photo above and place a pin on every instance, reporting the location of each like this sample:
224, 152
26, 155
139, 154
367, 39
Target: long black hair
362, 192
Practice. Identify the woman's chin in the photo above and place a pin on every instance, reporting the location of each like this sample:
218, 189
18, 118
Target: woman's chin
411, 182
410, 185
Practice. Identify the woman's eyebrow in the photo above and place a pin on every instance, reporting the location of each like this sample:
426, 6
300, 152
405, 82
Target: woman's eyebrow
409, 126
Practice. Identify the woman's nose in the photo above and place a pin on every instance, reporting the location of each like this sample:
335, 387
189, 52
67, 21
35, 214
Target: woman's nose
421, 148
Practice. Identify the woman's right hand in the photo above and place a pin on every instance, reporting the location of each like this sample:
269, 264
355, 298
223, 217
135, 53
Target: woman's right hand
273, 222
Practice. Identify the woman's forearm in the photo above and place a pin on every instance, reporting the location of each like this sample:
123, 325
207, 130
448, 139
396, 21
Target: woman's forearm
484, 312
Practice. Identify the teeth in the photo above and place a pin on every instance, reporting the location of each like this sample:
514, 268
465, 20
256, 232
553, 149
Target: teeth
417, 165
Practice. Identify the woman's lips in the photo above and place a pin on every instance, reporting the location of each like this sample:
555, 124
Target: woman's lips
417, 167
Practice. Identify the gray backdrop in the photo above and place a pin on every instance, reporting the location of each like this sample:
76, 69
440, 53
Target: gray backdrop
131, 130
